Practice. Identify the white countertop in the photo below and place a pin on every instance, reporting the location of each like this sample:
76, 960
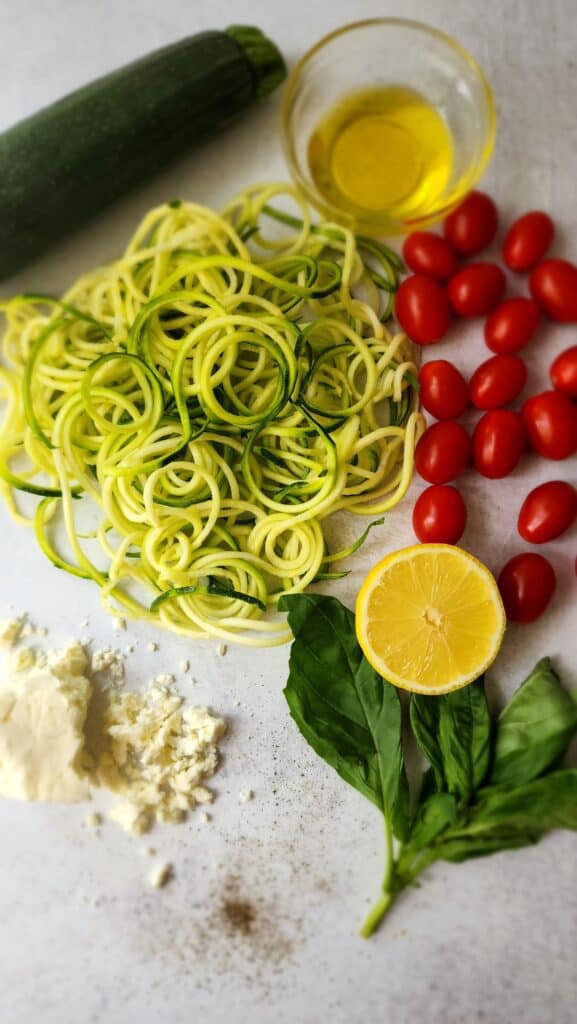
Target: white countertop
82, 937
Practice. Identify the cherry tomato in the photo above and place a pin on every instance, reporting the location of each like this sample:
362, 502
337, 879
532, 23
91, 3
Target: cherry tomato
498, 443
476, 289
551, 423
442, 452
512, 325
429, 254
497, 382
423, 309
472, 226
439, 515
563, 372
444, 390
553, 284
548, 510
527, 584
527, 240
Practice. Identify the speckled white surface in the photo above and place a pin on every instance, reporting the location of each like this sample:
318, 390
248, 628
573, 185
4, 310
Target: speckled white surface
82, 938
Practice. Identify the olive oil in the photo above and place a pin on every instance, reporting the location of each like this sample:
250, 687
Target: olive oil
382, 152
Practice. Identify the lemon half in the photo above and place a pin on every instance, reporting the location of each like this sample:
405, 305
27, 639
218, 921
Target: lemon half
430, 618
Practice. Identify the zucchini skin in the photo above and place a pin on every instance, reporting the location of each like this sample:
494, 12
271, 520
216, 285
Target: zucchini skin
67, 162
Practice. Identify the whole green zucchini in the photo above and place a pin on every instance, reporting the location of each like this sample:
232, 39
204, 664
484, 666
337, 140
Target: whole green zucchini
61, 166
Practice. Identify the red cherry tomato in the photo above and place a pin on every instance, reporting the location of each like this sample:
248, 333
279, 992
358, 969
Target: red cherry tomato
551, 423
512, 325
497, 382
563, 372
548, 510
476, 289
472, 226
553, 284
498, 443
443, 390
527, 241
527, 584
439, 515
429, 254
423, 309
442, 452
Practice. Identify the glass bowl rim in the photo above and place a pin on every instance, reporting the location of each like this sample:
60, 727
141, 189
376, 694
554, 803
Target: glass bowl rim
311, 193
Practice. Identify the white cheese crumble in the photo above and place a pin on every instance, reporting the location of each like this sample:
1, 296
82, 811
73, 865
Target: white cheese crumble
111, 661
160, 875
165, 679
152, 750
157, 756
10, 630
42, 716
184, 665
118, 622
22, 660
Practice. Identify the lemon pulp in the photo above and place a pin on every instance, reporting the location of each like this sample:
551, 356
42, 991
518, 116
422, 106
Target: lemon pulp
382, 151
430, 618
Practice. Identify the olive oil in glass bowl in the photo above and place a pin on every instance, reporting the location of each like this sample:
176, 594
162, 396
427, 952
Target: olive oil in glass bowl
386, 125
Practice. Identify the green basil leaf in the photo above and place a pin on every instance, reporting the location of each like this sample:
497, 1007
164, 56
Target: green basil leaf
424, 713
464, 738
454, 733
432, 818
349, 715
534, 729
460, 848
538, 806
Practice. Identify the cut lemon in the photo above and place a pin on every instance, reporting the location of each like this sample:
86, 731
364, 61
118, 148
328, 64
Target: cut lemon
430, 618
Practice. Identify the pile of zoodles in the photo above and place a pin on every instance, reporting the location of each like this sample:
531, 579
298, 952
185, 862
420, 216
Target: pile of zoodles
189, 415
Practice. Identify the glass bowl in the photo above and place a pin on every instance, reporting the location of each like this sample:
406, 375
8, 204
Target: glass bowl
397, 52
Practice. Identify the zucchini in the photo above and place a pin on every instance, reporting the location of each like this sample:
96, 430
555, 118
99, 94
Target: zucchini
64, 164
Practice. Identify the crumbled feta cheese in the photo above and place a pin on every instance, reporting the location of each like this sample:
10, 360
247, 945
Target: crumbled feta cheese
111, 661
165, 679
42, 717
10, 630
22, 660
205, 817
118, 622
184, 665
160, 875
131, 817
158, 754
29, 629
71, 661
154, 751
245, 795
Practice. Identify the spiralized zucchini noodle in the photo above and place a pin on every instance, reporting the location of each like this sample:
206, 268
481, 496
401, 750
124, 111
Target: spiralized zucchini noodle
207, 401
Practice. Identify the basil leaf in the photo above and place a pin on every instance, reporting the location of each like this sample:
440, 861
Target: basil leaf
432, 817
538, 806
534, 729
460, 848
424, 713
454, 733
464, 738
349, 715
